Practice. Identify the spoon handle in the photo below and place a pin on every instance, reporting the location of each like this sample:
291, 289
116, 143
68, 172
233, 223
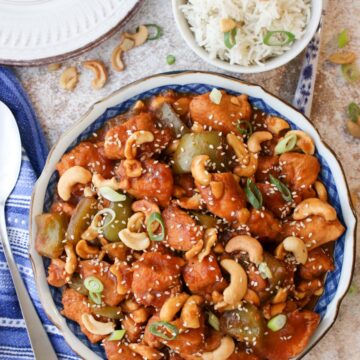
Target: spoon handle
39, 340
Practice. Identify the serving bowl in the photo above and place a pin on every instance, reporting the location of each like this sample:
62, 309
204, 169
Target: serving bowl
273, 63
337, 282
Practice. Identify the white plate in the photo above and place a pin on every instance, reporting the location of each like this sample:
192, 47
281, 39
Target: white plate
34, 32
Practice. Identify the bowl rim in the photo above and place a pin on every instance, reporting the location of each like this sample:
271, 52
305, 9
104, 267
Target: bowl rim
177, 78
278, 61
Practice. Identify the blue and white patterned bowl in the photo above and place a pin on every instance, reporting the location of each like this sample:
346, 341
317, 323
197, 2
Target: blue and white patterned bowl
337, 282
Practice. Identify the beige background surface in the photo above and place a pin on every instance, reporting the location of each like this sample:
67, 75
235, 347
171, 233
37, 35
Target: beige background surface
58, 110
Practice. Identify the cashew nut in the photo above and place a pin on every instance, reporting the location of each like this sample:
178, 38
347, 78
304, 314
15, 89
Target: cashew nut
248, 244
140, 315
255, 140
140, 36
252, 297
190, 203
195, 250
135, 241
275, 124
127, 44
136, 222
129, 306
135, 139
132, 168
314, 206
277, 309
223, 352
321, 191
210, 238
88, 192
121, 287
190, 313
69, 78
227, 24
198, 170
72, 176
217, 189
297, 247
172, 306
249, 169
304, 141
86, 251
54, 67
116, 61
147, 208
280, 296
100, 73
146, 352
97, 327
235, 292
99, 181
239, 148
197, 127
71, 259
243, 216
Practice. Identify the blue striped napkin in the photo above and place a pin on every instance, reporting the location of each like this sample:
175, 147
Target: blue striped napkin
14, 342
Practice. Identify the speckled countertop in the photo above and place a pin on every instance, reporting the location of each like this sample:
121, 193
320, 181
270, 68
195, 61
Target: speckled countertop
58, 110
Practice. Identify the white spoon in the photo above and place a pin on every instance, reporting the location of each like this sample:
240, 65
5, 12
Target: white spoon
10, 161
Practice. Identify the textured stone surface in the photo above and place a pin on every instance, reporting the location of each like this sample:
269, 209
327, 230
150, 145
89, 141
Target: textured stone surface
58, 110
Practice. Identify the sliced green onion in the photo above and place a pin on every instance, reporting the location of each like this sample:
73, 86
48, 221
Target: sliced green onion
98, 219
248, 130
278, 38
265, 271
353, 112
116, 335
155, 31
213, 321
284, 190
110, 194
162, 329
95, 298
343, 39
350, 72
353, 289
170, 59
215, 96
277, 322
230, 38
93, 284
287, 144
155, 217
253, 194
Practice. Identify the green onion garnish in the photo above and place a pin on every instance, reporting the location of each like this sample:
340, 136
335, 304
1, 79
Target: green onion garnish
215, 96
98, 219
277, 322
253, 194
230, 38
110, 194
213, 321
350, 72
116, 335
284, 190
162, 329
353, 289
353, 112
93, 284
248, 130
278, 38
343, 39
155, 31
170, 59
155, 217
265, 271
287, 144
95, 297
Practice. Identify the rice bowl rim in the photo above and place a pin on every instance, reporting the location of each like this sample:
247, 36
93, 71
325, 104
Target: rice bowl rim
275, 62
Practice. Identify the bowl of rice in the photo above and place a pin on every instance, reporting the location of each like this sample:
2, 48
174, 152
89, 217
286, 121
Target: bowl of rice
247, 36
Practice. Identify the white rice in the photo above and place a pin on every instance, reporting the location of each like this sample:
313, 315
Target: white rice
255, 17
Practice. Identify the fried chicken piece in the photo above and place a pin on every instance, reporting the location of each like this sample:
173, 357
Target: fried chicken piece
263, 224
242, 355
155, 183
88, 155
116, 137
318, 263
186, 182
155, 275
75, 305
204, 277
115, 350
222, 117
57, 275
314, 230
292, 339
267, 165
182, 232
101, 270
230, 203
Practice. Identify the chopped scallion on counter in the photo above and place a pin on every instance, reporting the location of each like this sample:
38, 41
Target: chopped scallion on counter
353, 112
343, 39
170, 59
155, 31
